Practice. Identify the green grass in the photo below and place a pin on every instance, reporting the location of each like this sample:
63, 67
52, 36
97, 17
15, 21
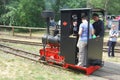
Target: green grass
16, 68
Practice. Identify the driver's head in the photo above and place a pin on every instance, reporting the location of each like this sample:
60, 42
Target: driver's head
95, 17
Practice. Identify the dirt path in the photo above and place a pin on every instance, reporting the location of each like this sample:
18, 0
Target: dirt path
110, 71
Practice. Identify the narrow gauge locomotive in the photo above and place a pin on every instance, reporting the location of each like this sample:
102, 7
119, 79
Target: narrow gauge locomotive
61, 48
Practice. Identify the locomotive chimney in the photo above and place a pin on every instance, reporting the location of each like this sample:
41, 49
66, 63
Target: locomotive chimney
47, 15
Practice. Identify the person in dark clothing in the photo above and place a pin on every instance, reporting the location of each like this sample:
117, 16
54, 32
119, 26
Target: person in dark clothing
75, 28
98, 25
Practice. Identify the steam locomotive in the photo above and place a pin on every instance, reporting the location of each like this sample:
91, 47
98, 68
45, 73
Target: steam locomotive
61, 48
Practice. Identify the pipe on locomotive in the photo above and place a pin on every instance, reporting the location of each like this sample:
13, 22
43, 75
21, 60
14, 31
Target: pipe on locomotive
47, 15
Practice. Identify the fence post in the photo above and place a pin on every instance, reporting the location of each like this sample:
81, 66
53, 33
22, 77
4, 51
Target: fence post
30, 33
12, 30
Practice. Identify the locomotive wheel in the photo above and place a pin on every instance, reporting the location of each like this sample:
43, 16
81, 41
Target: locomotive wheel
42, 58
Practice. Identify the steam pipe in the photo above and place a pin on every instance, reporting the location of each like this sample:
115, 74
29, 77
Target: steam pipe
48, 28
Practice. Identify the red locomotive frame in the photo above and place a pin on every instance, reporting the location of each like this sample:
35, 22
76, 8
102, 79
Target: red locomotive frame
51, 54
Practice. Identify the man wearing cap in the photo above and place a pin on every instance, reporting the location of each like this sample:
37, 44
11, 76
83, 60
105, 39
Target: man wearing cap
98, 25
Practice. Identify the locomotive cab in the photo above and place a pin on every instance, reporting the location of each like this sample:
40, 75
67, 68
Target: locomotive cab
68, 41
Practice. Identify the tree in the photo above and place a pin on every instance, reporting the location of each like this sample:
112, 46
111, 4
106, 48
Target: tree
111, 7
61, 4
24, 13
28, 12
76, 3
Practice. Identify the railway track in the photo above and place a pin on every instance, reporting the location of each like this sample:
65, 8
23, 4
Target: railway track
24, 54
21, 42
18, 52
116, 50
34, 43
40, 44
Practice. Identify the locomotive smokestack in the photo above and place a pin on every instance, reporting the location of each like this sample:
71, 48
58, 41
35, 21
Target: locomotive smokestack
47, 15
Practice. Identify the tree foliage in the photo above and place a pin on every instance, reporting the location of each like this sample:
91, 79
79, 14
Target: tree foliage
28, 12
114, 7
111, 6
60, 4
23, 13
